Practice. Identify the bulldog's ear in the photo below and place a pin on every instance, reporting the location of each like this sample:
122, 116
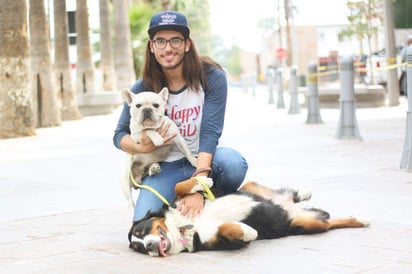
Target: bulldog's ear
127, 96
164, 93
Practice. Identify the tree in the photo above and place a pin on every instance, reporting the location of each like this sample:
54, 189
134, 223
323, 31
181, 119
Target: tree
106, 61
46, 108
85, 69
139, 17
197, 13
403, 11
288, 10
16, 113
364, 18
69, 110
125, 75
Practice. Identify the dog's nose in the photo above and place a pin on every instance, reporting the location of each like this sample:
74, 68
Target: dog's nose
147, 113
151, 246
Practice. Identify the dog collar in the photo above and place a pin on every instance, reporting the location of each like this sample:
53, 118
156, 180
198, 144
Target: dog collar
186, 237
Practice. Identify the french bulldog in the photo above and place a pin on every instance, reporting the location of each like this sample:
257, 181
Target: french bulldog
147, 111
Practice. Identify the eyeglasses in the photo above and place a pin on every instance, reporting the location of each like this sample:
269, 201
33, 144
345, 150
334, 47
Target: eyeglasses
162, 43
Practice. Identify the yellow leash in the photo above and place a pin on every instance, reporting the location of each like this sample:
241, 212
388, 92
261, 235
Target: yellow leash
207, 194
154, 191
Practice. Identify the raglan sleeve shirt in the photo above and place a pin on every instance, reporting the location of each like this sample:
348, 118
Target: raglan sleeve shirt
213, 111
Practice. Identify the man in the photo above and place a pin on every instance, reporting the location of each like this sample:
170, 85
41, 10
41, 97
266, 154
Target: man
195, 83
403, 78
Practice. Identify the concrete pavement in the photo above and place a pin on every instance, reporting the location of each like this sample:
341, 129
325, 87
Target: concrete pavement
62, 211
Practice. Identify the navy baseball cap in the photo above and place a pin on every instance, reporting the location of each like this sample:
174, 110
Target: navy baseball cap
169, 20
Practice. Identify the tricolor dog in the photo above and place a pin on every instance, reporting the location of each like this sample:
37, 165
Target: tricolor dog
232, 221
147, 112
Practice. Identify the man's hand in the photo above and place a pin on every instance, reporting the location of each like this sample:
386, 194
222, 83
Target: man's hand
191, 205
146, 145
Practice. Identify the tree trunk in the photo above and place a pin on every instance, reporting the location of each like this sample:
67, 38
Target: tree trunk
46, 105
125, 75
85, 69
106, 61
288, 36
16, 110
69, 110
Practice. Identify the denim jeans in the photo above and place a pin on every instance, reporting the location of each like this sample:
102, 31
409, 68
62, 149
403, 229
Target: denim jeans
228, 172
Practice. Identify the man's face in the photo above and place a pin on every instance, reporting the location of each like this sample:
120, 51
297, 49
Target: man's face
171, 56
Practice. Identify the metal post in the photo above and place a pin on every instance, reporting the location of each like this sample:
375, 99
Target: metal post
253, 83
406, 159
392, 85
348, 125
281, 101
245, 82
293, 91
270, 79
313, 95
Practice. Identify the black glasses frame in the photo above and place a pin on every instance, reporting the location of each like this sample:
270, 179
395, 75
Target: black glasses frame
175, 43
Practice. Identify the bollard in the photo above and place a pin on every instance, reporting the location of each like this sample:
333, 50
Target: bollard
280, 102
348, 125
313, 95
253, 84
270, 78
406, 159
293, 91
244, 82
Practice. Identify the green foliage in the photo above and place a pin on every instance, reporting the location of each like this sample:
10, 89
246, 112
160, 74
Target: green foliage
233, 65
139, 16
362, 16
364, 19
403, 14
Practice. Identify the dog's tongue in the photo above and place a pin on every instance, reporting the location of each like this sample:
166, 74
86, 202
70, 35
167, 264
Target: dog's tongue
162, 247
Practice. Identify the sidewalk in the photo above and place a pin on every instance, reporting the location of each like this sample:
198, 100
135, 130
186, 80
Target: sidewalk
62, 211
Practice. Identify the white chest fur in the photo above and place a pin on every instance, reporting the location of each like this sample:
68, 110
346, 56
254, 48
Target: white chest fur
230, 208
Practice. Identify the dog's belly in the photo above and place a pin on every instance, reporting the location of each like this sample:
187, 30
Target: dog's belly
230, 208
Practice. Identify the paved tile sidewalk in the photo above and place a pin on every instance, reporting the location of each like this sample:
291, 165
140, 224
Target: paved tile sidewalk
62, 211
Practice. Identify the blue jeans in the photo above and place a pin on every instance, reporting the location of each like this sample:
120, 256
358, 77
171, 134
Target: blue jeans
228, 172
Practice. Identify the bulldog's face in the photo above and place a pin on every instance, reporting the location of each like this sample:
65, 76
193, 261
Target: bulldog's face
147, 108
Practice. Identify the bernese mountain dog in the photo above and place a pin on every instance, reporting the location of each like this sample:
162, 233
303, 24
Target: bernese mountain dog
232, 221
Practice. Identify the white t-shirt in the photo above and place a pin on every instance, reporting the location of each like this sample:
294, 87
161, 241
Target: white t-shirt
185, 109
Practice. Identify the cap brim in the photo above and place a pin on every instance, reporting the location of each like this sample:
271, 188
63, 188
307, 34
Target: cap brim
182, 29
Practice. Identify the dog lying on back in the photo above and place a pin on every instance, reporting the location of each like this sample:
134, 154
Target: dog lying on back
147, 111
231, 222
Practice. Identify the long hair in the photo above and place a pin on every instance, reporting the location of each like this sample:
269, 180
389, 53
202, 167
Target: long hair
193, 70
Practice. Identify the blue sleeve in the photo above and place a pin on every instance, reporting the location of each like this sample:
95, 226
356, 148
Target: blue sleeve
213, 111
123, 125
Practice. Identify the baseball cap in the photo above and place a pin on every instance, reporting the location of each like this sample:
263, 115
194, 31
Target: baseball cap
169, 20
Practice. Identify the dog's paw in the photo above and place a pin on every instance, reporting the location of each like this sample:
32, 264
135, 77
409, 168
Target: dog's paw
202, 180
249, 234
192, 160
304, 195
154, 169
157, 139
364, 222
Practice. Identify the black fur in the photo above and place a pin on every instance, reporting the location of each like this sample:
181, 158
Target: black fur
269, 219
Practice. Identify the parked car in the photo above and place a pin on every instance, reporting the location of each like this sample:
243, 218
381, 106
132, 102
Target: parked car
377, 73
